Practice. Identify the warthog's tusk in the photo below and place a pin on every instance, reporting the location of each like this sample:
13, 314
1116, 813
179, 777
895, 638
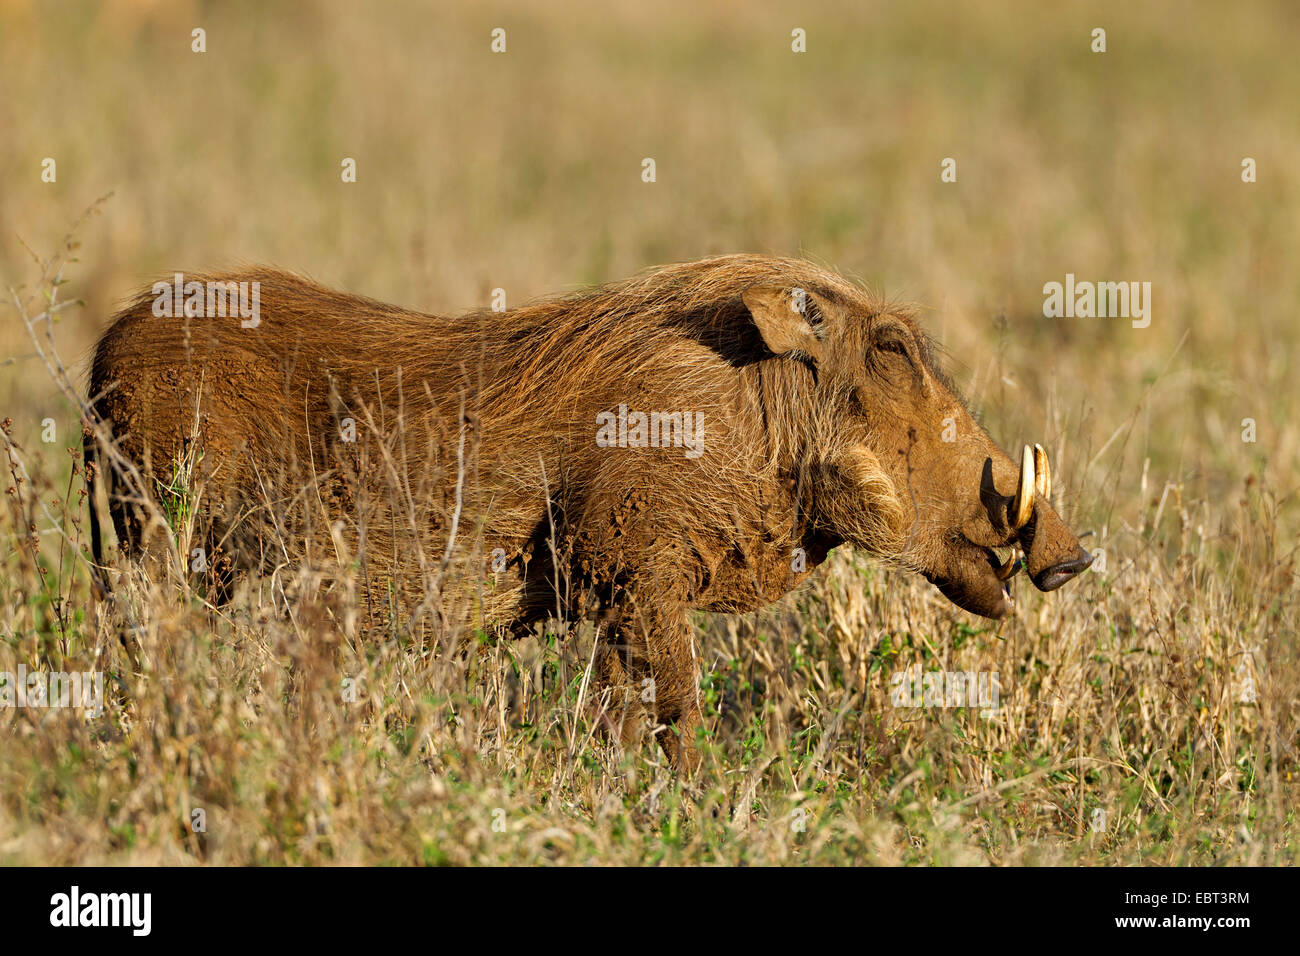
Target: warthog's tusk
1042, 474
1023, 506
1008, 570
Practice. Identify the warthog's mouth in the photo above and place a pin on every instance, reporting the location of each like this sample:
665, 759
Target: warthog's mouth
978, 578
975, 576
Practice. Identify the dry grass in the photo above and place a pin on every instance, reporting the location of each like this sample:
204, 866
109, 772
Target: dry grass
1127, 692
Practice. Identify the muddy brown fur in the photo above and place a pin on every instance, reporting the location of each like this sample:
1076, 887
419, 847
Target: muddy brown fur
476, 447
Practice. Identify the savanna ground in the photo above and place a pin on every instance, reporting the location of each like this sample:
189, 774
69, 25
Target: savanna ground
1148, 711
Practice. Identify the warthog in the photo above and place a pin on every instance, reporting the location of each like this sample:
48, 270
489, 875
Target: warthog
698, 436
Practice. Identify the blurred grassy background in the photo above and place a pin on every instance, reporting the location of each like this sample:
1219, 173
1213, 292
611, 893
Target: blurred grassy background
522, 170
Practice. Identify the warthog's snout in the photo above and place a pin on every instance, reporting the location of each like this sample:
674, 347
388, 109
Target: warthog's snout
1053, 554
978, 569
1049, 579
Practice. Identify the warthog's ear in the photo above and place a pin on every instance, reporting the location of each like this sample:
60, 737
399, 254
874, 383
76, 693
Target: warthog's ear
785, 319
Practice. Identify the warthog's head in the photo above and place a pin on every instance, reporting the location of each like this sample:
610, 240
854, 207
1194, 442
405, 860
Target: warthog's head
961, 510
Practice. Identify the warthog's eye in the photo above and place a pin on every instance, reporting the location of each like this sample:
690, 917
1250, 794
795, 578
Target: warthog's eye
892, 342
891, 349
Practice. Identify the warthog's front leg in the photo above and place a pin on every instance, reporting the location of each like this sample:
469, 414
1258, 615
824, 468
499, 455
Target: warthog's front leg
648, 661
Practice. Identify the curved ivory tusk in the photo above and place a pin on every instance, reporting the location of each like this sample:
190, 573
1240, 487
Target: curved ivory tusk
1042, 474
1023, 505
1007, 570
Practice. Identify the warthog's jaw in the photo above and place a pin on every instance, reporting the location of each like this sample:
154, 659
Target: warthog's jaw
981, 583
983, 586
976, 561
979, 580
975, 574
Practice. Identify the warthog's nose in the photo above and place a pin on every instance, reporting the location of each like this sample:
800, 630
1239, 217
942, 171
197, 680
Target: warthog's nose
1051, 578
